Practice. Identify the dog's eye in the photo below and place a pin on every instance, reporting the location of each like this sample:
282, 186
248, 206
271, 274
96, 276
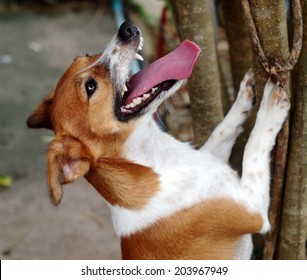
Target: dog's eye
90, 87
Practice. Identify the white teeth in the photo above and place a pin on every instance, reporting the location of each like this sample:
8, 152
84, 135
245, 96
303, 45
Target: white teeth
154, 89
139, 57
141, 43
124, 90
137, 101
145, 96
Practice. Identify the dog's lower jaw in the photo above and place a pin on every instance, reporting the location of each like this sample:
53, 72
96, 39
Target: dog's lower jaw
146, 109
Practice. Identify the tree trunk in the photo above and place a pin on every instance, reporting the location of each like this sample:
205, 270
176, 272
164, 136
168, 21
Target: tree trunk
294, 217
271, 22
240, 50
195, 22
241, 58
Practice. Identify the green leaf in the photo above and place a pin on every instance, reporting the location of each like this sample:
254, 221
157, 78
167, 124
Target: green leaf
6, 181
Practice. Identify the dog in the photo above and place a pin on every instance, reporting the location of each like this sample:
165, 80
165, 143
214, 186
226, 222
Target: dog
167, 199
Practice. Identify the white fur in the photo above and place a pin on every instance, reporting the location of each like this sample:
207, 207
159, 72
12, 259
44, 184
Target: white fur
188, 176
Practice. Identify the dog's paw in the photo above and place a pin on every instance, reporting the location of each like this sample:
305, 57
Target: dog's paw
279, 99
274, 106
247, 97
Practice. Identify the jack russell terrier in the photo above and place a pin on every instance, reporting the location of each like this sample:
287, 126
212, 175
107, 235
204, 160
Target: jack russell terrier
167, 200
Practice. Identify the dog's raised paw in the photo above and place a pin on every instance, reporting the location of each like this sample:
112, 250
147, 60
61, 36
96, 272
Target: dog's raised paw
247, 96
280, 98
276, 97
275, 105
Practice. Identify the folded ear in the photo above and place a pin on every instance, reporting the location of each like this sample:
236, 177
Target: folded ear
40, 118
68, 159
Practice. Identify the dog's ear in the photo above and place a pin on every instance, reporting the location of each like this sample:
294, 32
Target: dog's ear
68, 159
40, 118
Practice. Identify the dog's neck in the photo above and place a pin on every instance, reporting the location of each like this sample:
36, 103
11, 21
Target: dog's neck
129, 181
148, 145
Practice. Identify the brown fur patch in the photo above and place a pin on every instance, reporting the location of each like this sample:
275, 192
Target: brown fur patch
123, 183
209, 230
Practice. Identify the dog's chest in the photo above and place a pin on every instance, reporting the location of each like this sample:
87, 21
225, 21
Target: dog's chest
186, 177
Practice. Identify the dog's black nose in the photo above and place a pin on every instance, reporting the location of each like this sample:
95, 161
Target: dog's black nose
128, 31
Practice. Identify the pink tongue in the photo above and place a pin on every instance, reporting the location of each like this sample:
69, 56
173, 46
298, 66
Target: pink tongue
177, 65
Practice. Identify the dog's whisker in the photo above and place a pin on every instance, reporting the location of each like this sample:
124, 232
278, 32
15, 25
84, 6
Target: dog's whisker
161, 121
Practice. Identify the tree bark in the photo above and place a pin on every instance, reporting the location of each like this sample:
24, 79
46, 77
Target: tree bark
240, 50
294, 217
271, 21
195, 22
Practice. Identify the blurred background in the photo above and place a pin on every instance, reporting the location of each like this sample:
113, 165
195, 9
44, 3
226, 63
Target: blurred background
38, 41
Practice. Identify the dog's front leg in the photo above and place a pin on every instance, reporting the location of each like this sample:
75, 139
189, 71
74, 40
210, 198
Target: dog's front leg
255, 179
222, 139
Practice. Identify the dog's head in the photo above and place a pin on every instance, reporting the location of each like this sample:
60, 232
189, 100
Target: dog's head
95, 105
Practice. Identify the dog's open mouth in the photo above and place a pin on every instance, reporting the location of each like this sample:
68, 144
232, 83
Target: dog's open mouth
158, 78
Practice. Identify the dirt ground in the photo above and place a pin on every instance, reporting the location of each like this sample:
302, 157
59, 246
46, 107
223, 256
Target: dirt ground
35, 49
